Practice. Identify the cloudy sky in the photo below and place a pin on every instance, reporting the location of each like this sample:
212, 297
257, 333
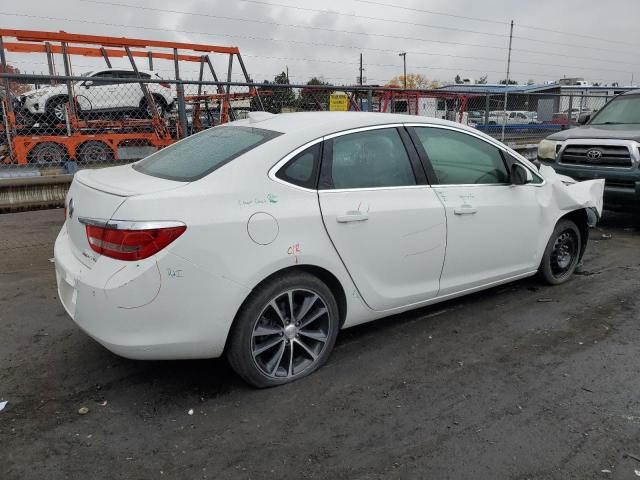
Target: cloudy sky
552, 38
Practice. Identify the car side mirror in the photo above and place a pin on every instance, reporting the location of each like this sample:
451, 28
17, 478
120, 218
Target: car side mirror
520, 175
584, 118
88, 83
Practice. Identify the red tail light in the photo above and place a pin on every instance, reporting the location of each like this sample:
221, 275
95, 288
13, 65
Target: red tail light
131, 244
165, 85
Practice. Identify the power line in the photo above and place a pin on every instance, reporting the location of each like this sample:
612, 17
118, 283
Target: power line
433, 12
332, 45
399, 37
200, 14
531, 27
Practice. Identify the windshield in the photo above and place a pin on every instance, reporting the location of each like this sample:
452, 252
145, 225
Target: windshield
623, 109
198, 155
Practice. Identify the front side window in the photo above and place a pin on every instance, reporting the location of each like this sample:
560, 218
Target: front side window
198, 155
461, 159
369, 159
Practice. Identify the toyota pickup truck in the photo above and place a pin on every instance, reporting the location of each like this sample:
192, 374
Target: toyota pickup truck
606, 145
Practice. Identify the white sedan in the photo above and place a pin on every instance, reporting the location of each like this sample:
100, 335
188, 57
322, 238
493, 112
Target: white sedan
260, 239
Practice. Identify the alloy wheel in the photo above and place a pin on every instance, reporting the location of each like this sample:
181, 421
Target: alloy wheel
290, 333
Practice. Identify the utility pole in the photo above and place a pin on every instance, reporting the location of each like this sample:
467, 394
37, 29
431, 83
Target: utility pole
287, 68
360, 79
404, 62
506, 87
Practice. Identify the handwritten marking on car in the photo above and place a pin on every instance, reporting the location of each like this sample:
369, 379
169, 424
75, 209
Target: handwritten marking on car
293, 251
174, 273
269, 198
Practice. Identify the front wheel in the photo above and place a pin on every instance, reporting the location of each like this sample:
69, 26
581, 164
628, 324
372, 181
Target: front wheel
285, 330
562, 253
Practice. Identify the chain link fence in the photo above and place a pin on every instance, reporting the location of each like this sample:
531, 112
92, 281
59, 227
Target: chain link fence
51, 125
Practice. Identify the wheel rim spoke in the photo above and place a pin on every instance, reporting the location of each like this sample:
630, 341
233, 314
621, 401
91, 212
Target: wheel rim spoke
265, 330
264, 346
275, 306
284, 342
290, 369
310, 352
313, 317
306, 306
274, 363
291, 310
314, 335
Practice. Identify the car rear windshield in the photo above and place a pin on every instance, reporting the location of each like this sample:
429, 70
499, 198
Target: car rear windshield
199, 155
623, 109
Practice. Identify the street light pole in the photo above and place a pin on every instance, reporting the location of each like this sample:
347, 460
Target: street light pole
404, 61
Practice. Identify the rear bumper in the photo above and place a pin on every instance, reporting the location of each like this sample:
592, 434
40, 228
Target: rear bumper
622, 187
159, 308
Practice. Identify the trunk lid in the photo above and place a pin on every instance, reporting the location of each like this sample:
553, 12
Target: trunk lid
98, 194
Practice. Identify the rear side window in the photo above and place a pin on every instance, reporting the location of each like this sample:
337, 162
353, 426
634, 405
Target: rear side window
198, 155
302, 170
369, 159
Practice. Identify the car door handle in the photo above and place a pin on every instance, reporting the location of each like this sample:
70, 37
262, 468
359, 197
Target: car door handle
352, 217
465, 210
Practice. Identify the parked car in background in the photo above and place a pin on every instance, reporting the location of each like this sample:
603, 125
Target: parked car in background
95, 97
513, 117
605, 146
261, 238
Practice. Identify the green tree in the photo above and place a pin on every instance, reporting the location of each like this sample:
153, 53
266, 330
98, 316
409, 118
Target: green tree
458, 79
314, 98
482, 80
511, 82
274, 99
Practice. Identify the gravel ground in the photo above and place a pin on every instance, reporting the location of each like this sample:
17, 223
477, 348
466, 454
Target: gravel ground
522, 381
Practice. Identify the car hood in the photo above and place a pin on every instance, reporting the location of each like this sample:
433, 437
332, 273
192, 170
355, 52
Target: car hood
618, 132
53, 89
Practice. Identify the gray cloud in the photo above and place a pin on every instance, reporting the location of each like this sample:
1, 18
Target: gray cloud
272, 38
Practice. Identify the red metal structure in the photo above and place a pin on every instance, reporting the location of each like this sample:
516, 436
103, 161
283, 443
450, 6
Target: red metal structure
68, 138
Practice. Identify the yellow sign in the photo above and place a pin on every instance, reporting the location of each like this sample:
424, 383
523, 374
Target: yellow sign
339, 102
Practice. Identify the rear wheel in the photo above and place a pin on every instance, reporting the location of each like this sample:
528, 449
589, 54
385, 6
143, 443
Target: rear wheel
562, 253
94, 152
284, 331
48, 153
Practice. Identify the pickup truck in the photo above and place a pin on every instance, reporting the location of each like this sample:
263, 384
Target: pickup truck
606, 145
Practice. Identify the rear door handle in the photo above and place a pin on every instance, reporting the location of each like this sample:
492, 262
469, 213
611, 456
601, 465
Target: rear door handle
465, 211
352, 217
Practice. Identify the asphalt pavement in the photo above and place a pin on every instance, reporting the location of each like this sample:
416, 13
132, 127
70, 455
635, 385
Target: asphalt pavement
523, 381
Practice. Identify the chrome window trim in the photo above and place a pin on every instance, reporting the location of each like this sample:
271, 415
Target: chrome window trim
274, 169
284, 160
129, 224
491, 141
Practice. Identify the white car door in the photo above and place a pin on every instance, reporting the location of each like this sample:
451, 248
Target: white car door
385, 221
493, 227
97, 95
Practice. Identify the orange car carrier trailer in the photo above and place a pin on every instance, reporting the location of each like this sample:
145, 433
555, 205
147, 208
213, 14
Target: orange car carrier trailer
71, 139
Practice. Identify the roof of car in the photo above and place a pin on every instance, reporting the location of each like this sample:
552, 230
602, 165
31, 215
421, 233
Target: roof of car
632, 92
324, 123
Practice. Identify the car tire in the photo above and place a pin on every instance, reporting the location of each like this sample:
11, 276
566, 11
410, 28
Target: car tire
161, 105
268, 346
94, 152
562, 254
47, 154
54, 111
